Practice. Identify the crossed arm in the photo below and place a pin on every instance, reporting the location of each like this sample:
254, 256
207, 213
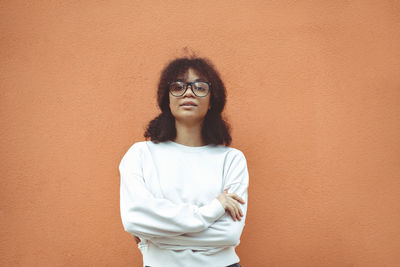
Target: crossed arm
171, 225
222, 233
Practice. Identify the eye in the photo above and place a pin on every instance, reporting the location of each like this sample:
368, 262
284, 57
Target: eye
177, 86
200, 86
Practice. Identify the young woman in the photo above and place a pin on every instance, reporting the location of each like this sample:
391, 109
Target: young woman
183, 194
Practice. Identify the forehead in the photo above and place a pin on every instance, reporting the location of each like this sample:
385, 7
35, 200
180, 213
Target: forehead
191, 74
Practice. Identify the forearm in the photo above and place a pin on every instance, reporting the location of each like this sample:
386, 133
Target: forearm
219, 234
151, 217
223, 232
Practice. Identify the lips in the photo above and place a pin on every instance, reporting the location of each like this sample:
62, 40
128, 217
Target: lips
188, 103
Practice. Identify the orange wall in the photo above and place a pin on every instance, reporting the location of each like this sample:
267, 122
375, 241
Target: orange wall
313, 98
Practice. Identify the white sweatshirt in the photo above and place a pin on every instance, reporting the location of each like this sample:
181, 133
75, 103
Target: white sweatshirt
168, 199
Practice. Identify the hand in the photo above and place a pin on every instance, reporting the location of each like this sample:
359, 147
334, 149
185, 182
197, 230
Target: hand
137, 239
230, 203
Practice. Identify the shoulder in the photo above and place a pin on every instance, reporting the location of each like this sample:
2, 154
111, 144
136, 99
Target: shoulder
134, 152
137, 147
236, 153
233, 158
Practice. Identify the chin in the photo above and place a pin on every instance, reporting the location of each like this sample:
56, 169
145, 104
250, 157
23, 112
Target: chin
189, 117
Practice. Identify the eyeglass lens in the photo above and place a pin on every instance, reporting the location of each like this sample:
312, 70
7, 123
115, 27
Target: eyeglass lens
199, 88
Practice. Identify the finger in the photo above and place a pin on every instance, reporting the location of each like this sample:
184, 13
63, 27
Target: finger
232, 213
239, 210
237, 213
236, 201
233, 209
236, 197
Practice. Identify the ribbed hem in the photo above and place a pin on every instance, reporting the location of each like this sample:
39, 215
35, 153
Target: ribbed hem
156, 257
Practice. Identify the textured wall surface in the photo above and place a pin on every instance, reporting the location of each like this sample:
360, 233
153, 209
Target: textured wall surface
313, 100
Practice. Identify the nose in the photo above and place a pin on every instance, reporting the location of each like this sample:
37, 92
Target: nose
189, 91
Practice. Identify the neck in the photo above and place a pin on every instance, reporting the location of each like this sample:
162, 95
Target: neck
188, 134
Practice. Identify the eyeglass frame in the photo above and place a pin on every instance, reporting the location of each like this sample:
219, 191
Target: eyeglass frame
186, 84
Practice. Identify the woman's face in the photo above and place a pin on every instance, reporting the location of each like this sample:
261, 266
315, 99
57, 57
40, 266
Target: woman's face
200, 105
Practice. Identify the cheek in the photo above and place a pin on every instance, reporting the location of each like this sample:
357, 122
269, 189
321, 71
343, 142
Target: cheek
172, 103
204, 107
207, 103
174, 106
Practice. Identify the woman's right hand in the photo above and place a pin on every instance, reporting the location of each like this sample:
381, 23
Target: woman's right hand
230, 203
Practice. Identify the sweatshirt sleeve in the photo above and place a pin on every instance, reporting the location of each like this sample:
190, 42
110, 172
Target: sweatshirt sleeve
146, 216
225, 231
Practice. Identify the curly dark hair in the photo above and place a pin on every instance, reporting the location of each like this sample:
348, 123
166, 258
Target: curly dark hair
215, 130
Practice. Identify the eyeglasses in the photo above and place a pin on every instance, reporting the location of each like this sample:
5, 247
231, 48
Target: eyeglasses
199, 89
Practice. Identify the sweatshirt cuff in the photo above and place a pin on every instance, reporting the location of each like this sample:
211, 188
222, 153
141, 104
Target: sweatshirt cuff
212, 211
